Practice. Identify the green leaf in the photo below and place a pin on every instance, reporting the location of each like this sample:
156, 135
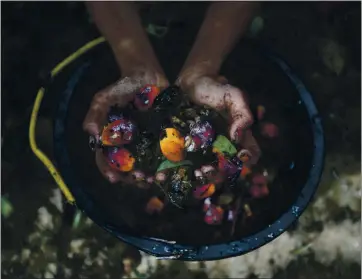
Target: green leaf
6, 207
77, 219
170, 165
156, 30
224, 145
257, 25
333, 56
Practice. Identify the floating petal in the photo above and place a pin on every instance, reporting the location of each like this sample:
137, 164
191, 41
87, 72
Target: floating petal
204, 191
259, 187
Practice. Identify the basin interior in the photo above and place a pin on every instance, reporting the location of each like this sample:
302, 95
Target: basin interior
290, 154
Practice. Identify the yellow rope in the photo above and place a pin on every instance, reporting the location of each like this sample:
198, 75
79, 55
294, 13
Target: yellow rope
75, 55
34, 116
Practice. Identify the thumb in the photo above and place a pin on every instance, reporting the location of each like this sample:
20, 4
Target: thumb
223, 80
238, 109
97, 113
249, 143
119, 93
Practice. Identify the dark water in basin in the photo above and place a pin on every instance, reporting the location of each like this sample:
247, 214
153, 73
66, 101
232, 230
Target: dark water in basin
261, 80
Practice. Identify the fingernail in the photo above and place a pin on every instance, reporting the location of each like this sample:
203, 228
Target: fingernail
111, 178
94, 142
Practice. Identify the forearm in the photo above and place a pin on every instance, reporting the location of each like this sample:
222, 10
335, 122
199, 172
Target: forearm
222, 27
120, 23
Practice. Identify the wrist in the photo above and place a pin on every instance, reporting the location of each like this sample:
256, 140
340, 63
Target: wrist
147, 74
132, 60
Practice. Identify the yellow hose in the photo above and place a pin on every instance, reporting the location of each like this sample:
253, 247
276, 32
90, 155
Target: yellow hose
34, 116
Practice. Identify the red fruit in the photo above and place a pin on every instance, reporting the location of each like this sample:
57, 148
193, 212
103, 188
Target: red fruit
226, 167
259, 187
120, 159
214, 215
205, 191
204, 131
259, 179
118, 132
269, 130
145, 98
193, 143
154, 205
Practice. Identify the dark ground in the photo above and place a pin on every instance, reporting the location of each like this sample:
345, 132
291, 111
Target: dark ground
324, 46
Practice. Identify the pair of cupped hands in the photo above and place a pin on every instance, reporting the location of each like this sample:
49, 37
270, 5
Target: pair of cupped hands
202, 89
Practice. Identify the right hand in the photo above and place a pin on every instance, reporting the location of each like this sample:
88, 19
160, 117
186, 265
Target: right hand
120, 93
216, 93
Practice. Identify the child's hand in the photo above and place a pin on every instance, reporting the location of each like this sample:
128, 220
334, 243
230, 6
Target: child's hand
120, 94
217, 94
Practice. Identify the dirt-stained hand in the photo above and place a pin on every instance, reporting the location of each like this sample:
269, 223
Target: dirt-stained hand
120, 94
217, 94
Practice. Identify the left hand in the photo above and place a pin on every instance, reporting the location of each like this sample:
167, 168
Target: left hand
120, 94
217, 94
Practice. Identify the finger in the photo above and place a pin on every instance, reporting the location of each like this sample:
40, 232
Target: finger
249, 143
120, 94
238, 109
123, 90
223, 80
224, 97
208, 91
97, 113
110, 174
